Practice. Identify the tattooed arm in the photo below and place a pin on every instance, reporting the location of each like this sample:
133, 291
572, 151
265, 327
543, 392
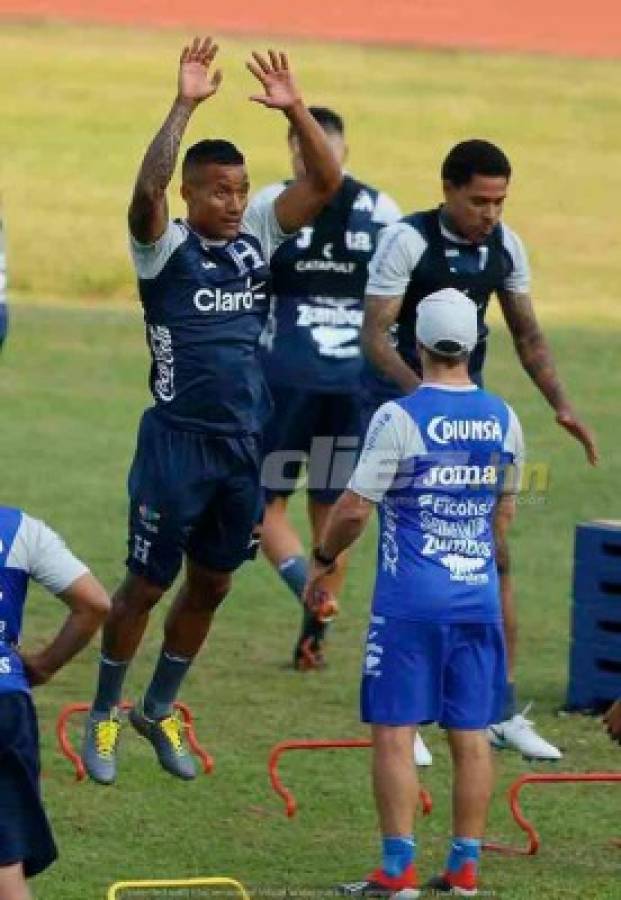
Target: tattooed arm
536, 357
380, 313
148, 210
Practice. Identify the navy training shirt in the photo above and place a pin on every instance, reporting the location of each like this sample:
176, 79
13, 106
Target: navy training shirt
420, 255
319, 275
205, 305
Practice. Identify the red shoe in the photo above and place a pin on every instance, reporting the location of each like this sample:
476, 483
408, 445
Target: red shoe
462, 883
378, 884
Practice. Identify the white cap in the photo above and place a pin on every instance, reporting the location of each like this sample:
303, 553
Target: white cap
447, 322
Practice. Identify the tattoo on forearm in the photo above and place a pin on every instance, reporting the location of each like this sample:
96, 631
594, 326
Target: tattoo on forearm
148, 210
160, 159
380, 315
532, 347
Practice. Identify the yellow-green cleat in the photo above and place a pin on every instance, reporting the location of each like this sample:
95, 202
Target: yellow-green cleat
166, 737
101, 736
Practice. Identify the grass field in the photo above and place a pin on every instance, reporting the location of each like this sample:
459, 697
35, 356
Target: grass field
80, 107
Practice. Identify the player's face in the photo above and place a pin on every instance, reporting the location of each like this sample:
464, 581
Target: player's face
216, 197
336, 141
475, 208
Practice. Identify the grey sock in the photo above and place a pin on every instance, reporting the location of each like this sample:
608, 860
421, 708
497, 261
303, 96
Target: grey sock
167, 677
110, 684
293, 572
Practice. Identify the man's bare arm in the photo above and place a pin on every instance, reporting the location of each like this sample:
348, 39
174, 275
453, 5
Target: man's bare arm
304, 199
89, 605
148, 211
380, 314
536, 357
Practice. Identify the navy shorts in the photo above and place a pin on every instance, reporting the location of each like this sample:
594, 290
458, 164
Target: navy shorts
420, 672
317, 429
25, 833
191, 493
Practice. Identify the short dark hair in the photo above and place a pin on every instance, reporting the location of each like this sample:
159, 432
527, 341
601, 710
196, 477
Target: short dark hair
327, 118
450, 362
217, 151
475, 157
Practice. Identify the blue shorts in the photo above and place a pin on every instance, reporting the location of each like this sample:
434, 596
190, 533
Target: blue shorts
25, 834
191, 493
319, 429
420, 672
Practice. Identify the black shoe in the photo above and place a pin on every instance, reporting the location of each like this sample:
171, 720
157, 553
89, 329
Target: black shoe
308, 652
463, 885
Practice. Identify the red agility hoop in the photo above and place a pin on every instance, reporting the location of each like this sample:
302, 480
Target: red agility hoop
291, 805
66, 747
522, 822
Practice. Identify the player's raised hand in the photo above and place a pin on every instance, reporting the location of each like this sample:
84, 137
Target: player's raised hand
281, 91
196, 80
568, 420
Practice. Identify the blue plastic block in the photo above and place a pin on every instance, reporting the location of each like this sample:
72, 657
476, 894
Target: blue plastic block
592, 583
597, 623
594, 676
598, 543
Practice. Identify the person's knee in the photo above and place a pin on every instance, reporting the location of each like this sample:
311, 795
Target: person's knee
469, 747
206, 589
136, 596
392, 741
13, 885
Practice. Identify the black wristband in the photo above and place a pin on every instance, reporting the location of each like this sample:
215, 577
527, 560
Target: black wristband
322, 559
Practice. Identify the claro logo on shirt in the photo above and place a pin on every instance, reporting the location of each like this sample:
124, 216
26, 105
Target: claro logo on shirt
209, 300
442, 429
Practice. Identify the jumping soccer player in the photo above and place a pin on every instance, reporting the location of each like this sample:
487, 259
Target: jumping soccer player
463, 244
436, 462
195, 482
311, 359
30, 550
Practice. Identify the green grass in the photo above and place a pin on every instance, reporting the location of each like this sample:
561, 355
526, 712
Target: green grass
72, 388
80, 104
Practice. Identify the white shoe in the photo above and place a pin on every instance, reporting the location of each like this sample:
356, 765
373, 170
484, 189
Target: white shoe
518, 733
422, 756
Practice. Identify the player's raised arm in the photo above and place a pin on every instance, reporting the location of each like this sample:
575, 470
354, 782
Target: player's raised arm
300, 203
148, 211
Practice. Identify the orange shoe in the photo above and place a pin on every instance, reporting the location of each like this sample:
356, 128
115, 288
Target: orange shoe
378, 884
462, 883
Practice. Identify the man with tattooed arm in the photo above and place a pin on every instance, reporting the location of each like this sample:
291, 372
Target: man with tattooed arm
463, 244
194, 484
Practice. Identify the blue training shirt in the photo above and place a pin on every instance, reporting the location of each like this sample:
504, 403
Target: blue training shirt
28, 549
436, 461
205, 305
